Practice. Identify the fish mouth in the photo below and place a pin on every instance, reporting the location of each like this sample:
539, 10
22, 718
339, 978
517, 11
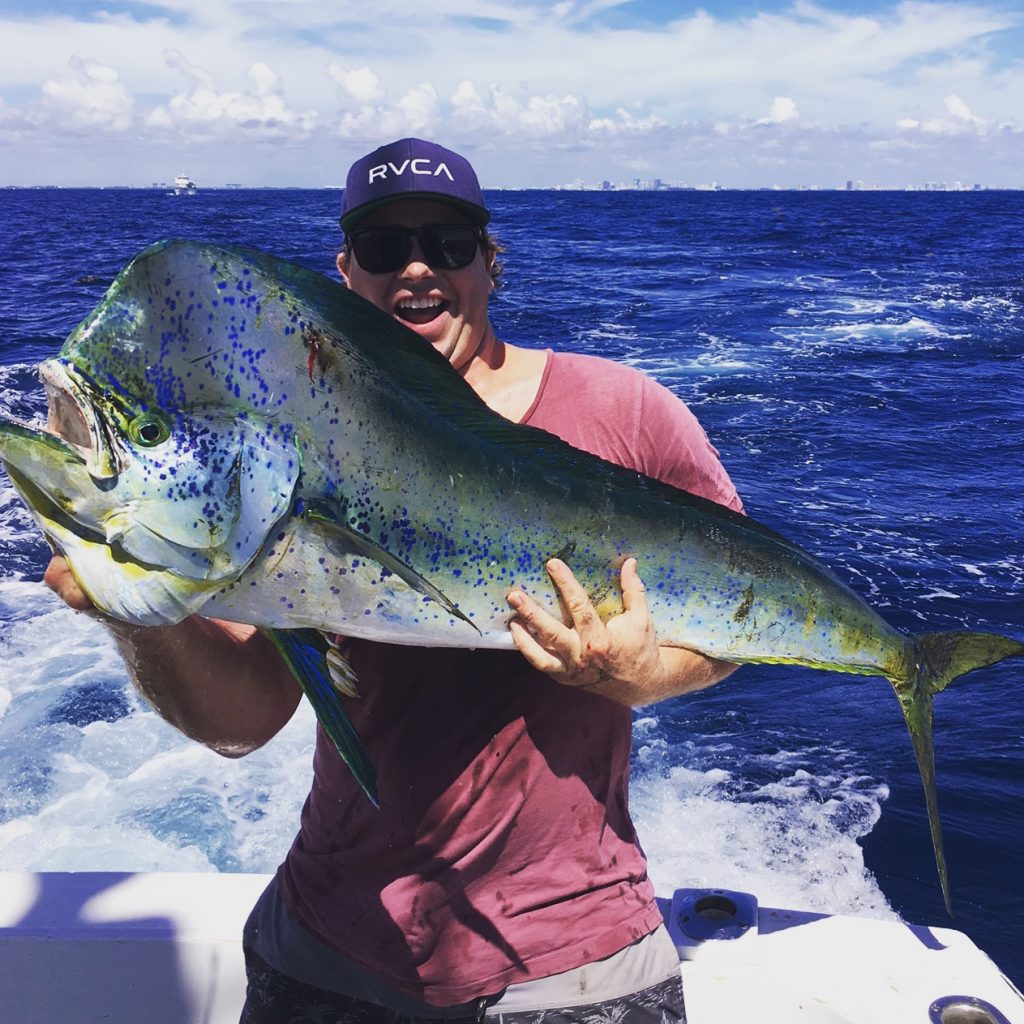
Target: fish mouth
74, 440
65, 418
72, 416
48, 510
56, 521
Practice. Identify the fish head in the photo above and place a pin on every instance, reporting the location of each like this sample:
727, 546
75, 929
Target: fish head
153, 508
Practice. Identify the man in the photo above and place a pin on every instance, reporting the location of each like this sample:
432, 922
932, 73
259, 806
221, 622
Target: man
501, 874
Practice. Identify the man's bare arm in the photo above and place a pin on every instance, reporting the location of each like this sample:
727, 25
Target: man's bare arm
221, 683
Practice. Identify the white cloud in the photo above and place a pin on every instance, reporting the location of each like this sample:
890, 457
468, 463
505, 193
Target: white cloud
547, 116
542, 83
959, 111
14, 121
95, 97
203, 109
783, 109
361, 84
420, 108
266, 78
532, 116
369, 125
956, 119
626, 122
416, 112
469, 111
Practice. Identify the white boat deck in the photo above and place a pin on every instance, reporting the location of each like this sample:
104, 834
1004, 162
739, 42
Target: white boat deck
165, 949
788, 966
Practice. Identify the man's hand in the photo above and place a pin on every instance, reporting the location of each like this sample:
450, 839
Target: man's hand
59, 578
221, 683
588, 652
620, 658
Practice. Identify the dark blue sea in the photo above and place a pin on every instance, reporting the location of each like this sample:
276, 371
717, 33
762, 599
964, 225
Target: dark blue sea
858, 360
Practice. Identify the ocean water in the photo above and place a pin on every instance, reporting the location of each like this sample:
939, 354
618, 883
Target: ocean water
858, 360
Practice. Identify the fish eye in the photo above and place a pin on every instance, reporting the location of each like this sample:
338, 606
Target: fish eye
148, 431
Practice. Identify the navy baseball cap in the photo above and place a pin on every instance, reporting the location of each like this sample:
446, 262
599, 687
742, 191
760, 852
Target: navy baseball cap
411, 169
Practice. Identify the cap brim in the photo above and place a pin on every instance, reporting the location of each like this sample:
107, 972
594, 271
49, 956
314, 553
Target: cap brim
477, 214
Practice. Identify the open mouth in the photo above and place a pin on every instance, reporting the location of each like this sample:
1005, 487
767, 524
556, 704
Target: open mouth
421, 309
64, 417
73, 418
66, 405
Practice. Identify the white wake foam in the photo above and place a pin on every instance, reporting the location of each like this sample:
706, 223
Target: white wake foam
132, 794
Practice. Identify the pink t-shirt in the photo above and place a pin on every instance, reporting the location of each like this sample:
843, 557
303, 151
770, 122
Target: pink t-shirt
503, 849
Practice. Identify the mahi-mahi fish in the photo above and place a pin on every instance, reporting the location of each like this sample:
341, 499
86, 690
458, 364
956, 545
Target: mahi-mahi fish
233, 435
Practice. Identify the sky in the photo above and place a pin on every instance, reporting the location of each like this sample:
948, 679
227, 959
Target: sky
746, 93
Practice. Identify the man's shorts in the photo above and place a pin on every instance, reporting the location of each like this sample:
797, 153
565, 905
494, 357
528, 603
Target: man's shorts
274, 998
293, 977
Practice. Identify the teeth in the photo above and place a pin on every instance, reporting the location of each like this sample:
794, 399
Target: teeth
426, 303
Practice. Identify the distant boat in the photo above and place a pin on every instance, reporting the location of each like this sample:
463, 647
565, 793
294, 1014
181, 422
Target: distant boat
184, 186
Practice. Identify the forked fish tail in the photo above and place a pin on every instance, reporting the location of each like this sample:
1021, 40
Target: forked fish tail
937, 660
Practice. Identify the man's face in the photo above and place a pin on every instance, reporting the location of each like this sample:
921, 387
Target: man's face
447, 308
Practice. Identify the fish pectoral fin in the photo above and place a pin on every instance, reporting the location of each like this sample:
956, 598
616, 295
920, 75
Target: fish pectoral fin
359, 543
343, 676
306, 652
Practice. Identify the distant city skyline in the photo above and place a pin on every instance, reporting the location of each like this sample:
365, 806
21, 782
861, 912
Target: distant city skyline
578, 185
537, 94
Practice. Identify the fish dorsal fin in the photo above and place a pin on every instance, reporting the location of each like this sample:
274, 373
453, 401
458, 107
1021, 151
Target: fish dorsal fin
425, 375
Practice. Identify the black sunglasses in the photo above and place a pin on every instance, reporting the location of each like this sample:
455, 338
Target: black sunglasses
386, 249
